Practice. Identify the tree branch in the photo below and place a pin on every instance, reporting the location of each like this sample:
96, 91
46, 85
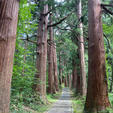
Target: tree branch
107, 5
107, 41
65, 29
107, 10
60, 21
51, 43
52, 9
34, 42
27, 39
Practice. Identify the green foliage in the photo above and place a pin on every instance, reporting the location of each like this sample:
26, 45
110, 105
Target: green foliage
67, 50
78, 104
24, 60
26, 23
108, 42
31, 103
24, 70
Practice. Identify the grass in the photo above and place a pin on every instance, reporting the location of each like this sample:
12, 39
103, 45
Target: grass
78, 104
32, 104
111, 101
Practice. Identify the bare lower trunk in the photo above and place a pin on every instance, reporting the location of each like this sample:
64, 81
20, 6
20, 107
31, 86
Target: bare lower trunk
74, 75
60, 70
78, 87
8, 28
69, 80
65, 81
55, 70
50, 70
40, 77
51, 87
81, 52
97, 94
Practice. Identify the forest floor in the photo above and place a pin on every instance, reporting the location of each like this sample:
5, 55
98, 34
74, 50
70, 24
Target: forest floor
32, 104
64, 104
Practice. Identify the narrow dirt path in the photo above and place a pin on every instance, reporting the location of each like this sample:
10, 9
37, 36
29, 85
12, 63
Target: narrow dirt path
64, 104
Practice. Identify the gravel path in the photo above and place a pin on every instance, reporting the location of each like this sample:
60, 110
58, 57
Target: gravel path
64, 104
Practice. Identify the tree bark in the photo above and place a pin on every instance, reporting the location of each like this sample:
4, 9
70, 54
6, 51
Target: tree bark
81, 52
65, 81
8, 28
69, 80
55, 69
74, 75
40, 77
78, 88
78, 85
97, 94
60, 69
51, 86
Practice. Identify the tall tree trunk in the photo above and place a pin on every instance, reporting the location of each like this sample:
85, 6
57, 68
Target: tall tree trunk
60, 69
78, 85
65, 81
74, 75
55, 69
51, 86
69, 80
97, 94
8, 28
81, 52
40, 77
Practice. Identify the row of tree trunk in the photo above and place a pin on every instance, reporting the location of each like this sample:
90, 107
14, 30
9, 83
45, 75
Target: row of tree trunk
43, 45
40, 76
97, 90
8, 28
52, 62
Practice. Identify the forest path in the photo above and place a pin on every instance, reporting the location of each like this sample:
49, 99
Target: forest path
64, 104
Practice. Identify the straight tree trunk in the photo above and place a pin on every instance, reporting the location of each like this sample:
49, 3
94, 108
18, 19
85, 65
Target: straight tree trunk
65, 81
97, 93
78, 87
60, 69
69, 80
40, 77
8, 28
55, 69
74, 75
81, 52
51, 87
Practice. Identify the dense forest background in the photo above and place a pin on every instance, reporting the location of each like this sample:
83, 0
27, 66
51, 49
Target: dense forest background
52, 53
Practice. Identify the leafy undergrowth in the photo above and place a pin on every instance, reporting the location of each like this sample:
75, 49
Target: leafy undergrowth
78, 104
111, 101
31, 103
